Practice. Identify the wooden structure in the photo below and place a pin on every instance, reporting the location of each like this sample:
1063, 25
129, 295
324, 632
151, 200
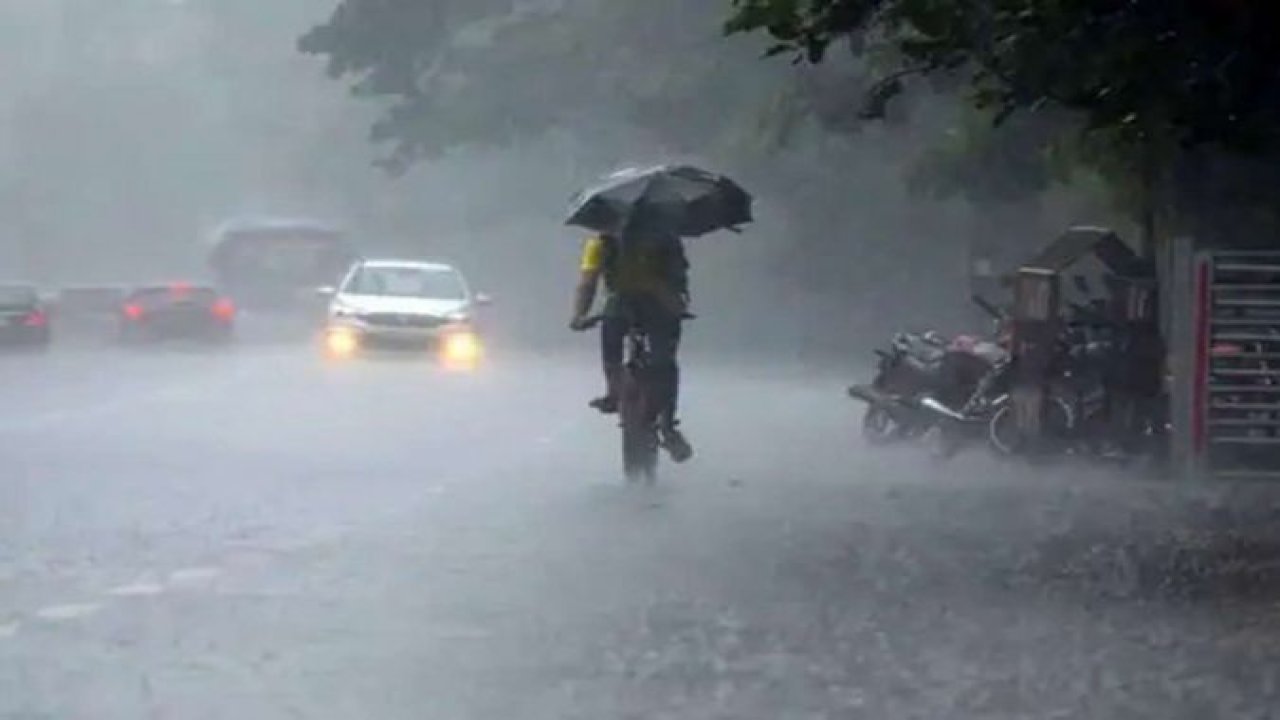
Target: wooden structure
1038, 311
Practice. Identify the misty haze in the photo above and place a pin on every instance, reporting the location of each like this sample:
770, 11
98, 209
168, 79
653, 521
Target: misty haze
594, 359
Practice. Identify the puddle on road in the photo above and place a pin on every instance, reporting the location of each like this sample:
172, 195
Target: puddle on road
60, 613
193, 576
139, 588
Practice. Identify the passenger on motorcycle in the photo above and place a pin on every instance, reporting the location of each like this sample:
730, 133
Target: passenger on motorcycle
645, 274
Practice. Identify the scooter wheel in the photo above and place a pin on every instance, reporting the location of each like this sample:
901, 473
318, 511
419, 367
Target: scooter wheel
879, 427
1002, 433
945, 442
1007, 441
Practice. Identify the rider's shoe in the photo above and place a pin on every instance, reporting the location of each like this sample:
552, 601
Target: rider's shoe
606, 404
675, 443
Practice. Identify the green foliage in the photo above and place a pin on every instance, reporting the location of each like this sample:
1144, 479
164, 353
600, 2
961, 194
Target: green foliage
1199, 71
453, 73
1011, 164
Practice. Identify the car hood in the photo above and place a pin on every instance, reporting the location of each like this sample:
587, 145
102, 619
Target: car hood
406, 305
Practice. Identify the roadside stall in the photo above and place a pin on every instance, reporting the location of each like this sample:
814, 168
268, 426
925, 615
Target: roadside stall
1112, 291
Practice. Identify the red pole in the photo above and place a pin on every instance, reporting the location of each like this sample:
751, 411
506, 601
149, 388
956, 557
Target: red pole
1200, 362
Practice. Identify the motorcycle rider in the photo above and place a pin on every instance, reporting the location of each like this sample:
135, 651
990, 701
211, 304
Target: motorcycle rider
645, 275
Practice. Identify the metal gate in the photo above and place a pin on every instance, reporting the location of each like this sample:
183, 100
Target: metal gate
1235, 397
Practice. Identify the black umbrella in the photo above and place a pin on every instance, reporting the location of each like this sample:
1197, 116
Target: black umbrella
679, 199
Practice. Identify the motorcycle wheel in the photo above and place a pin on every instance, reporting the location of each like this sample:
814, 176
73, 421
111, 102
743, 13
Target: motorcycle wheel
1006, 441
947, 441
879, 427
1002, 433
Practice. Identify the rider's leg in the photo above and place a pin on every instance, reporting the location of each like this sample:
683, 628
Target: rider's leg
672, 337
612, 334
664, 345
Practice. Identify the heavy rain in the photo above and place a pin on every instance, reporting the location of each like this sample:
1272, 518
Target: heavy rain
593, 359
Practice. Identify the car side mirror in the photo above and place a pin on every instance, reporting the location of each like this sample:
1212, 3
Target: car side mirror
483, 299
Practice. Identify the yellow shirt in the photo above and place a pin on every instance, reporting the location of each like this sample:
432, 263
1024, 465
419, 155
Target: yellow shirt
639, 267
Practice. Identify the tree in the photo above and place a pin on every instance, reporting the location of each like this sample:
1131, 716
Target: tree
453, 73
1201, 70
1148, 79
599, 73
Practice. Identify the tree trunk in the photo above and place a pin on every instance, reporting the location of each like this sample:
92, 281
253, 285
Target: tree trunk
1149, 172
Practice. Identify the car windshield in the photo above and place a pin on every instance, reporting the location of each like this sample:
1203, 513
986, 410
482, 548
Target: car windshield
17, 295
419, 282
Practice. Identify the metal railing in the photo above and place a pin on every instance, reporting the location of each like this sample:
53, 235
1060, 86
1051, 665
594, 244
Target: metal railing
1238, 368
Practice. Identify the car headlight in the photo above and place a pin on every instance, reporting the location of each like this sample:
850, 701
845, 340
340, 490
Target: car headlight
341, 342
461, 349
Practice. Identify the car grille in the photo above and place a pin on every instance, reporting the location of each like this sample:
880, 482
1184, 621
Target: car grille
403, 320
377, 342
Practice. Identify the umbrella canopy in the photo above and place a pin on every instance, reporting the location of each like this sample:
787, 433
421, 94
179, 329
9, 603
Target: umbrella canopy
678, 199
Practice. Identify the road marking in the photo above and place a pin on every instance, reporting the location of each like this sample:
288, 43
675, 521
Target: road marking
193, 575
58, 613
9, 630
140, 588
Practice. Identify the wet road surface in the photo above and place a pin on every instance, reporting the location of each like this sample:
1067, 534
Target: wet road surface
254, 534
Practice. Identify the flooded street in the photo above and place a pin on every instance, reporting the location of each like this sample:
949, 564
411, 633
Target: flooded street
253, 533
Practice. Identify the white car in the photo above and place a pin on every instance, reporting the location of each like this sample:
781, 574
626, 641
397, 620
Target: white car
403, 305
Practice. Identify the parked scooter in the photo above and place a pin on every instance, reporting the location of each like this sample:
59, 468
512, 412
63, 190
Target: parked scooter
1104, 420
911, 376
1074, 419
1077, 405
911, 366
978, 388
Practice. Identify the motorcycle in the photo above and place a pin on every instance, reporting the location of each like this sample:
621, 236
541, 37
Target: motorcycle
920, 377
964, 423
907, 369
1099, 422
1076, 407
978, 376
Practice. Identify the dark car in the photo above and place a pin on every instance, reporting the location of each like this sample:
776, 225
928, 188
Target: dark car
177, 311
24, 318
